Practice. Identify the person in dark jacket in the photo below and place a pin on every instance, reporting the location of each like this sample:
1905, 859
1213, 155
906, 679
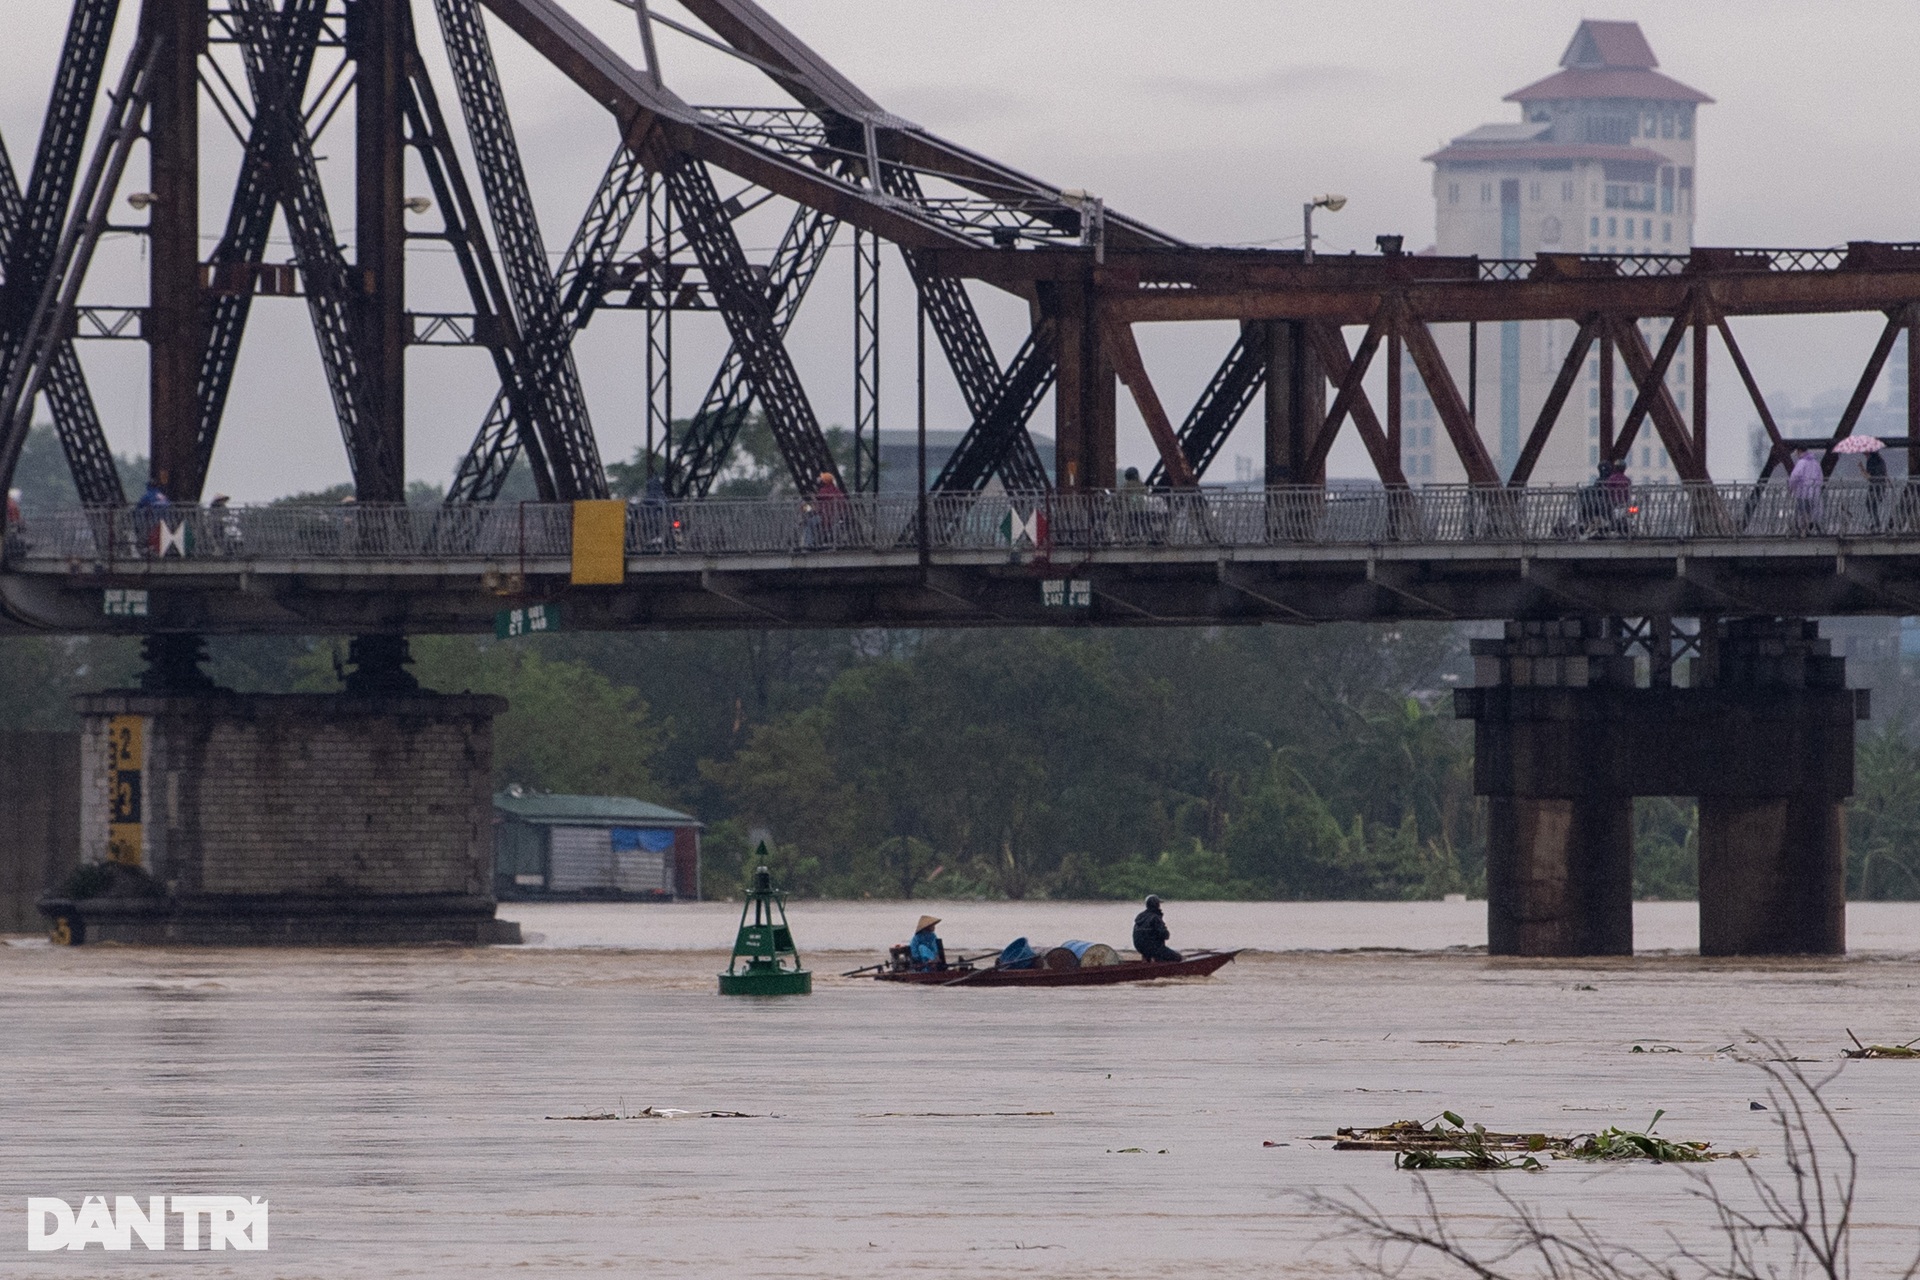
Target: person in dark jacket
1150, 934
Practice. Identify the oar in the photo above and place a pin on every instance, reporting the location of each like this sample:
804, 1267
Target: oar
854, 973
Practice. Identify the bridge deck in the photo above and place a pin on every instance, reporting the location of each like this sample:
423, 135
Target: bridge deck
1290, 555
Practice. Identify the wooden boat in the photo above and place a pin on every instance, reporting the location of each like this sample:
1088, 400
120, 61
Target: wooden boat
1198, 966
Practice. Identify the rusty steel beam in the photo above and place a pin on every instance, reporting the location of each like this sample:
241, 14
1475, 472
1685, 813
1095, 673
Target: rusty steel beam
1777, 452
1445, 393
1896, 321
1702, 322
1555, 402
659, 124
1132, 371
174, 313
379, 35
1782, 293
1348, 370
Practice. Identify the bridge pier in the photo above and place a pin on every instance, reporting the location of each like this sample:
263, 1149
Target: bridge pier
316, 819
1762, 734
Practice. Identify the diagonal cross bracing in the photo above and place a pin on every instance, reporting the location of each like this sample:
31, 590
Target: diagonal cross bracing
43, 352
30, 227
1219, 409
506, 430
748, 311
492, 457
243, 244
75, 421
997, 441
323, 267
723, 410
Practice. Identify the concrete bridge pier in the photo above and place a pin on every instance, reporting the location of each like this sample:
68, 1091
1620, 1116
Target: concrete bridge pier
1762, 733
1560, 876
1773, 876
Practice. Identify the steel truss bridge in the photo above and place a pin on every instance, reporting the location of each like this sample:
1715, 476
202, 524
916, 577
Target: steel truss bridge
659, 237
1301, 555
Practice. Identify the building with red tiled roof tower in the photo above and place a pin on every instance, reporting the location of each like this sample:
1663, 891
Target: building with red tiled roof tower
1601, 161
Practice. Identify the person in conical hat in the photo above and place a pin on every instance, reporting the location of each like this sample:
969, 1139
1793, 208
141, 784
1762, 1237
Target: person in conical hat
924, 949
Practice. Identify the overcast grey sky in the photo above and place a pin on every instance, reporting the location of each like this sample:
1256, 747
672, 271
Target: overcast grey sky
1211, 119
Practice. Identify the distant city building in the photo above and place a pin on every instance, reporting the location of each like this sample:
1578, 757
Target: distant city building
1601, 161
899, 448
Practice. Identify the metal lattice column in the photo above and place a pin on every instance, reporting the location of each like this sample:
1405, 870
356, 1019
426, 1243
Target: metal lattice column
661, 286
866, 361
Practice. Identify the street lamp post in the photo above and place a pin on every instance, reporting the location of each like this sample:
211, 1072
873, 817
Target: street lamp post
1331, 203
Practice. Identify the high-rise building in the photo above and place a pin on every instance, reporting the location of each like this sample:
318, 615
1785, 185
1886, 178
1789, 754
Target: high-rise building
1600, 161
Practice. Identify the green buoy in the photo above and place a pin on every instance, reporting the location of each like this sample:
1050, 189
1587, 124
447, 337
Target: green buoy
765, 946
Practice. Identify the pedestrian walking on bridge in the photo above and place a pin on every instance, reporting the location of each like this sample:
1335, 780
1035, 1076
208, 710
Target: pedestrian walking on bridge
1804, 482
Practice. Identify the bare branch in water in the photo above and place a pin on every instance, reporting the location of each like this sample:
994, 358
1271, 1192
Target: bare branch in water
1793, 1227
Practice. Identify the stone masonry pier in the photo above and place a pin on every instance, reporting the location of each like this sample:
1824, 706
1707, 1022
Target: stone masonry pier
214, 817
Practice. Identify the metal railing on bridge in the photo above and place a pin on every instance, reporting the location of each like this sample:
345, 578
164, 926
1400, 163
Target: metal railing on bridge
779, 526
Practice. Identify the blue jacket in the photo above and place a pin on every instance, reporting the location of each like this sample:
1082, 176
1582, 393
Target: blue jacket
924, 949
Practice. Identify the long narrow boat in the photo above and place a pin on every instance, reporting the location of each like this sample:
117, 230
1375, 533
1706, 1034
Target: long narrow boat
1087, 976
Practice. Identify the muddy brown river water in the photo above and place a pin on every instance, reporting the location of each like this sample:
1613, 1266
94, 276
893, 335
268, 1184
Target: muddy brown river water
396, 1107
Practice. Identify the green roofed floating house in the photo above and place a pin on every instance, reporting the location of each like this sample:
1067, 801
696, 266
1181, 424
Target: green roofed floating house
592, 849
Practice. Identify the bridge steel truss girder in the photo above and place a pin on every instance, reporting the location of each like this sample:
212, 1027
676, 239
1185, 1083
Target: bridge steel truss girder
373, 445
507, 430
49, 326
1399, 300
241, 249
550, 382
841, 158
723, 410
749, 316
30, 227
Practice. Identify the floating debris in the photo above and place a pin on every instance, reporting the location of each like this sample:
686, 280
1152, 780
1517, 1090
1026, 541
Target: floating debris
1654, 1048
1881, 1050
1627, 1144
1449, 1142
658, 1113
950, 1115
